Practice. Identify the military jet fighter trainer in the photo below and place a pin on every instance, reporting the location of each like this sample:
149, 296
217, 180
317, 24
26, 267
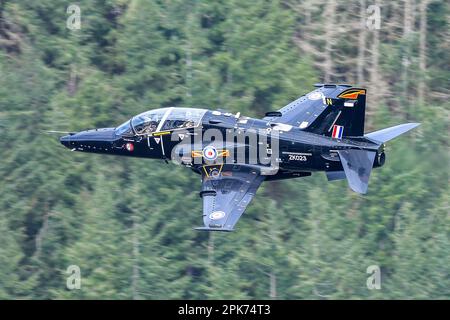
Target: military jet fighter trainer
320, 131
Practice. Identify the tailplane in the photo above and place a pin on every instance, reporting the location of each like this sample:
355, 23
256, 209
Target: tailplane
384, 135
358, 164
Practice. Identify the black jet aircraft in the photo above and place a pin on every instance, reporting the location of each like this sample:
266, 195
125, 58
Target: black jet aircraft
320, 131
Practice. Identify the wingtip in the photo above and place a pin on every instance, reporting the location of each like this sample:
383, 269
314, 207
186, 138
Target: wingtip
411, 125
213, 229
359, 191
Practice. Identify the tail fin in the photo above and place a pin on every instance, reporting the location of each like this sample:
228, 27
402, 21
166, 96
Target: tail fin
387, 134
344, 114
357, 166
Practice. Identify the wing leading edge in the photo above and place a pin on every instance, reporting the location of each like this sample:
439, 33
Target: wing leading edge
226, 195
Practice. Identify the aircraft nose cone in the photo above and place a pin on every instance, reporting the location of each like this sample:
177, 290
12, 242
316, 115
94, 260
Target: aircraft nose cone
65, 141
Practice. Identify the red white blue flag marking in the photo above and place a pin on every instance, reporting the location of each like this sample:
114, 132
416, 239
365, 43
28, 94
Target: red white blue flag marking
337, 132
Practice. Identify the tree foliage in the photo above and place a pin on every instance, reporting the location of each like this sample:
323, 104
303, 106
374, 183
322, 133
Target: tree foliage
127, 223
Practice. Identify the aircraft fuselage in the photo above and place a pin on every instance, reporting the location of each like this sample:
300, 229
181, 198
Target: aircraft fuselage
320, 131
297, 152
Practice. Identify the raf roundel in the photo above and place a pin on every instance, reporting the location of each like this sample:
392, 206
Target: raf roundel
217, 215
210, 153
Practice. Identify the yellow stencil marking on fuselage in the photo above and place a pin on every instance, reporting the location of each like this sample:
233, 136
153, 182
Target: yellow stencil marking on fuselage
161, 133
220, 153
197, 154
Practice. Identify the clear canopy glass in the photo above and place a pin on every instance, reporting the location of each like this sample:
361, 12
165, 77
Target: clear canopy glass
166, 119
148, 122
124, 129
182, 118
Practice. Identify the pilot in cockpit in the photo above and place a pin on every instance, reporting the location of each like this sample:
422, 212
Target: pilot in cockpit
151, 127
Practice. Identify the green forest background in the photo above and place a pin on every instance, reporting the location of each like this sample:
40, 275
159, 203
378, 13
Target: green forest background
128, 223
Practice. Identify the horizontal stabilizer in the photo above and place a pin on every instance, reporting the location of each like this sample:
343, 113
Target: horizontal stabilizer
335, 175
357, 166
391, 133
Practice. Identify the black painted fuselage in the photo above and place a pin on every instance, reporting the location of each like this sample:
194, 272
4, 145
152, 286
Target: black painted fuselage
319, 131
298, 153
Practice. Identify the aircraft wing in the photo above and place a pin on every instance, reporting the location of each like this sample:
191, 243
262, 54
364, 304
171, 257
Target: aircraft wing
357, 166
226, 193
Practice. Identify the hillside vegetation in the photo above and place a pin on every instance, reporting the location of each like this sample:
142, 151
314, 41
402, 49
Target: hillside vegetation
128, 223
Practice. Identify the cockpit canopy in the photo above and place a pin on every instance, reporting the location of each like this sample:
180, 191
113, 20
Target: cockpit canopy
161, 120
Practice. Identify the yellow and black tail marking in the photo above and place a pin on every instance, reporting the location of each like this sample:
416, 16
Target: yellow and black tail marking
352, 93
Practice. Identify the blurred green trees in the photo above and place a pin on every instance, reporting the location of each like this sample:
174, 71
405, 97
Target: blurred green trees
128, 223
